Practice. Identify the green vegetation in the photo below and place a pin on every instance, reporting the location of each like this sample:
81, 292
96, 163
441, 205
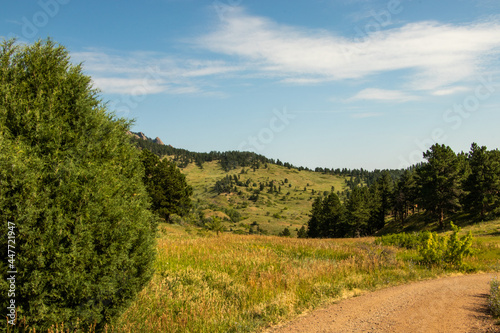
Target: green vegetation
448, 185
494, 299
83, 205
434, 249
439, 182
71, 184
166, 186
228, 161
235, 283
271, 198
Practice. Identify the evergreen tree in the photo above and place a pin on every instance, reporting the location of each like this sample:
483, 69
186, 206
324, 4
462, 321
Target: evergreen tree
327, 218
333, 217
439, 182
167, 186
404, 195
381, 201
314, 225
71, 183
285, 233
302, 233
358, 212
483, 183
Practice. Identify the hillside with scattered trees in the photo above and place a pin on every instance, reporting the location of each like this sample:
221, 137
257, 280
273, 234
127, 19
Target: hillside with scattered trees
350, 202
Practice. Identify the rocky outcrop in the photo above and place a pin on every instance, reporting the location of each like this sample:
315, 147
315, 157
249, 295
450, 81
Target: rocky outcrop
158, 141
143, 136
139, 135
132, 134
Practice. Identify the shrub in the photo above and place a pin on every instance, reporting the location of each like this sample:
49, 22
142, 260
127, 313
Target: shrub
71, 183
409, 241
449, 250
434, 248
285, 233
494, 300
215, 224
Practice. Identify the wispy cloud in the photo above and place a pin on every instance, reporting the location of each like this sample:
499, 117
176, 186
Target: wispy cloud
144, 73
382, 95
429, 56
450, 91
433, 55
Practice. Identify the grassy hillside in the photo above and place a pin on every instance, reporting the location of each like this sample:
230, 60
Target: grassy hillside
272, 212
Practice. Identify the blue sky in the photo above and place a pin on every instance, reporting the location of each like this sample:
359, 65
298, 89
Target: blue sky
330, 83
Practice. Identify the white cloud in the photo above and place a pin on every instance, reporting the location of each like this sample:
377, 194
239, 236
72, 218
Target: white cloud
434, 54
382, 95
130, 86
450, 91
144, 73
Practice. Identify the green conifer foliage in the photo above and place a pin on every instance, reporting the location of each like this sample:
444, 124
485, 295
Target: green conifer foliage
166, 186
71, 182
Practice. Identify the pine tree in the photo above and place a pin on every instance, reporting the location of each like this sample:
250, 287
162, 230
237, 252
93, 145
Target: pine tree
71, 182
302, 233
327, 218
167, 186
358, 212
380, 201
314, 224
483, 183
440, 182
404, 195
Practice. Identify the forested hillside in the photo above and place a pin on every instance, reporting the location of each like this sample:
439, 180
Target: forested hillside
448, 186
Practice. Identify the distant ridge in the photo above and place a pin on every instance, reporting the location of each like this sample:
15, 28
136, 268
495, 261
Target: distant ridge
231, 160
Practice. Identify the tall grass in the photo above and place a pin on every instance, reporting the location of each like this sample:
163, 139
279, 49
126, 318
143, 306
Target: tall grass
233, 283
494, 300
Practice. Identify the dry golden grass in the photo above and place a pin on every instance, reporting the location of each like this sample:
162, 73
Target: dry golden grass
233, 283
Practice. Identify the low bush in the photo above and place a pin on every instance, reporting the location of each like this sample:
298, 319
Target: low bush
433, 248
408, 241
495, 297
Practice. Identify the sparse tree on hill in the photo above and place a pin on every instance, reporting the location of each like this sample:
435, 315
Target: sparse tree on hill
215, 224
302, 233
285, 233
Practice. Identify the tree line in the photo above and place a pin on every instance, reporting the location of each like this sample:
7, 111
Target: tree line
445, 184
228, 160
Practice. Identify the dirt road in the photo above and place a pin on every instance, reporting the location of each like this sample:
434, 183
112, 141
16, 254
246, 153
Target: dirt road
453, 304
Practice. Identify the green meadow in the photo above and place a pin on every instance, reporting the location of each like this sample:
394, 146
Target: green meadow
246, 283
